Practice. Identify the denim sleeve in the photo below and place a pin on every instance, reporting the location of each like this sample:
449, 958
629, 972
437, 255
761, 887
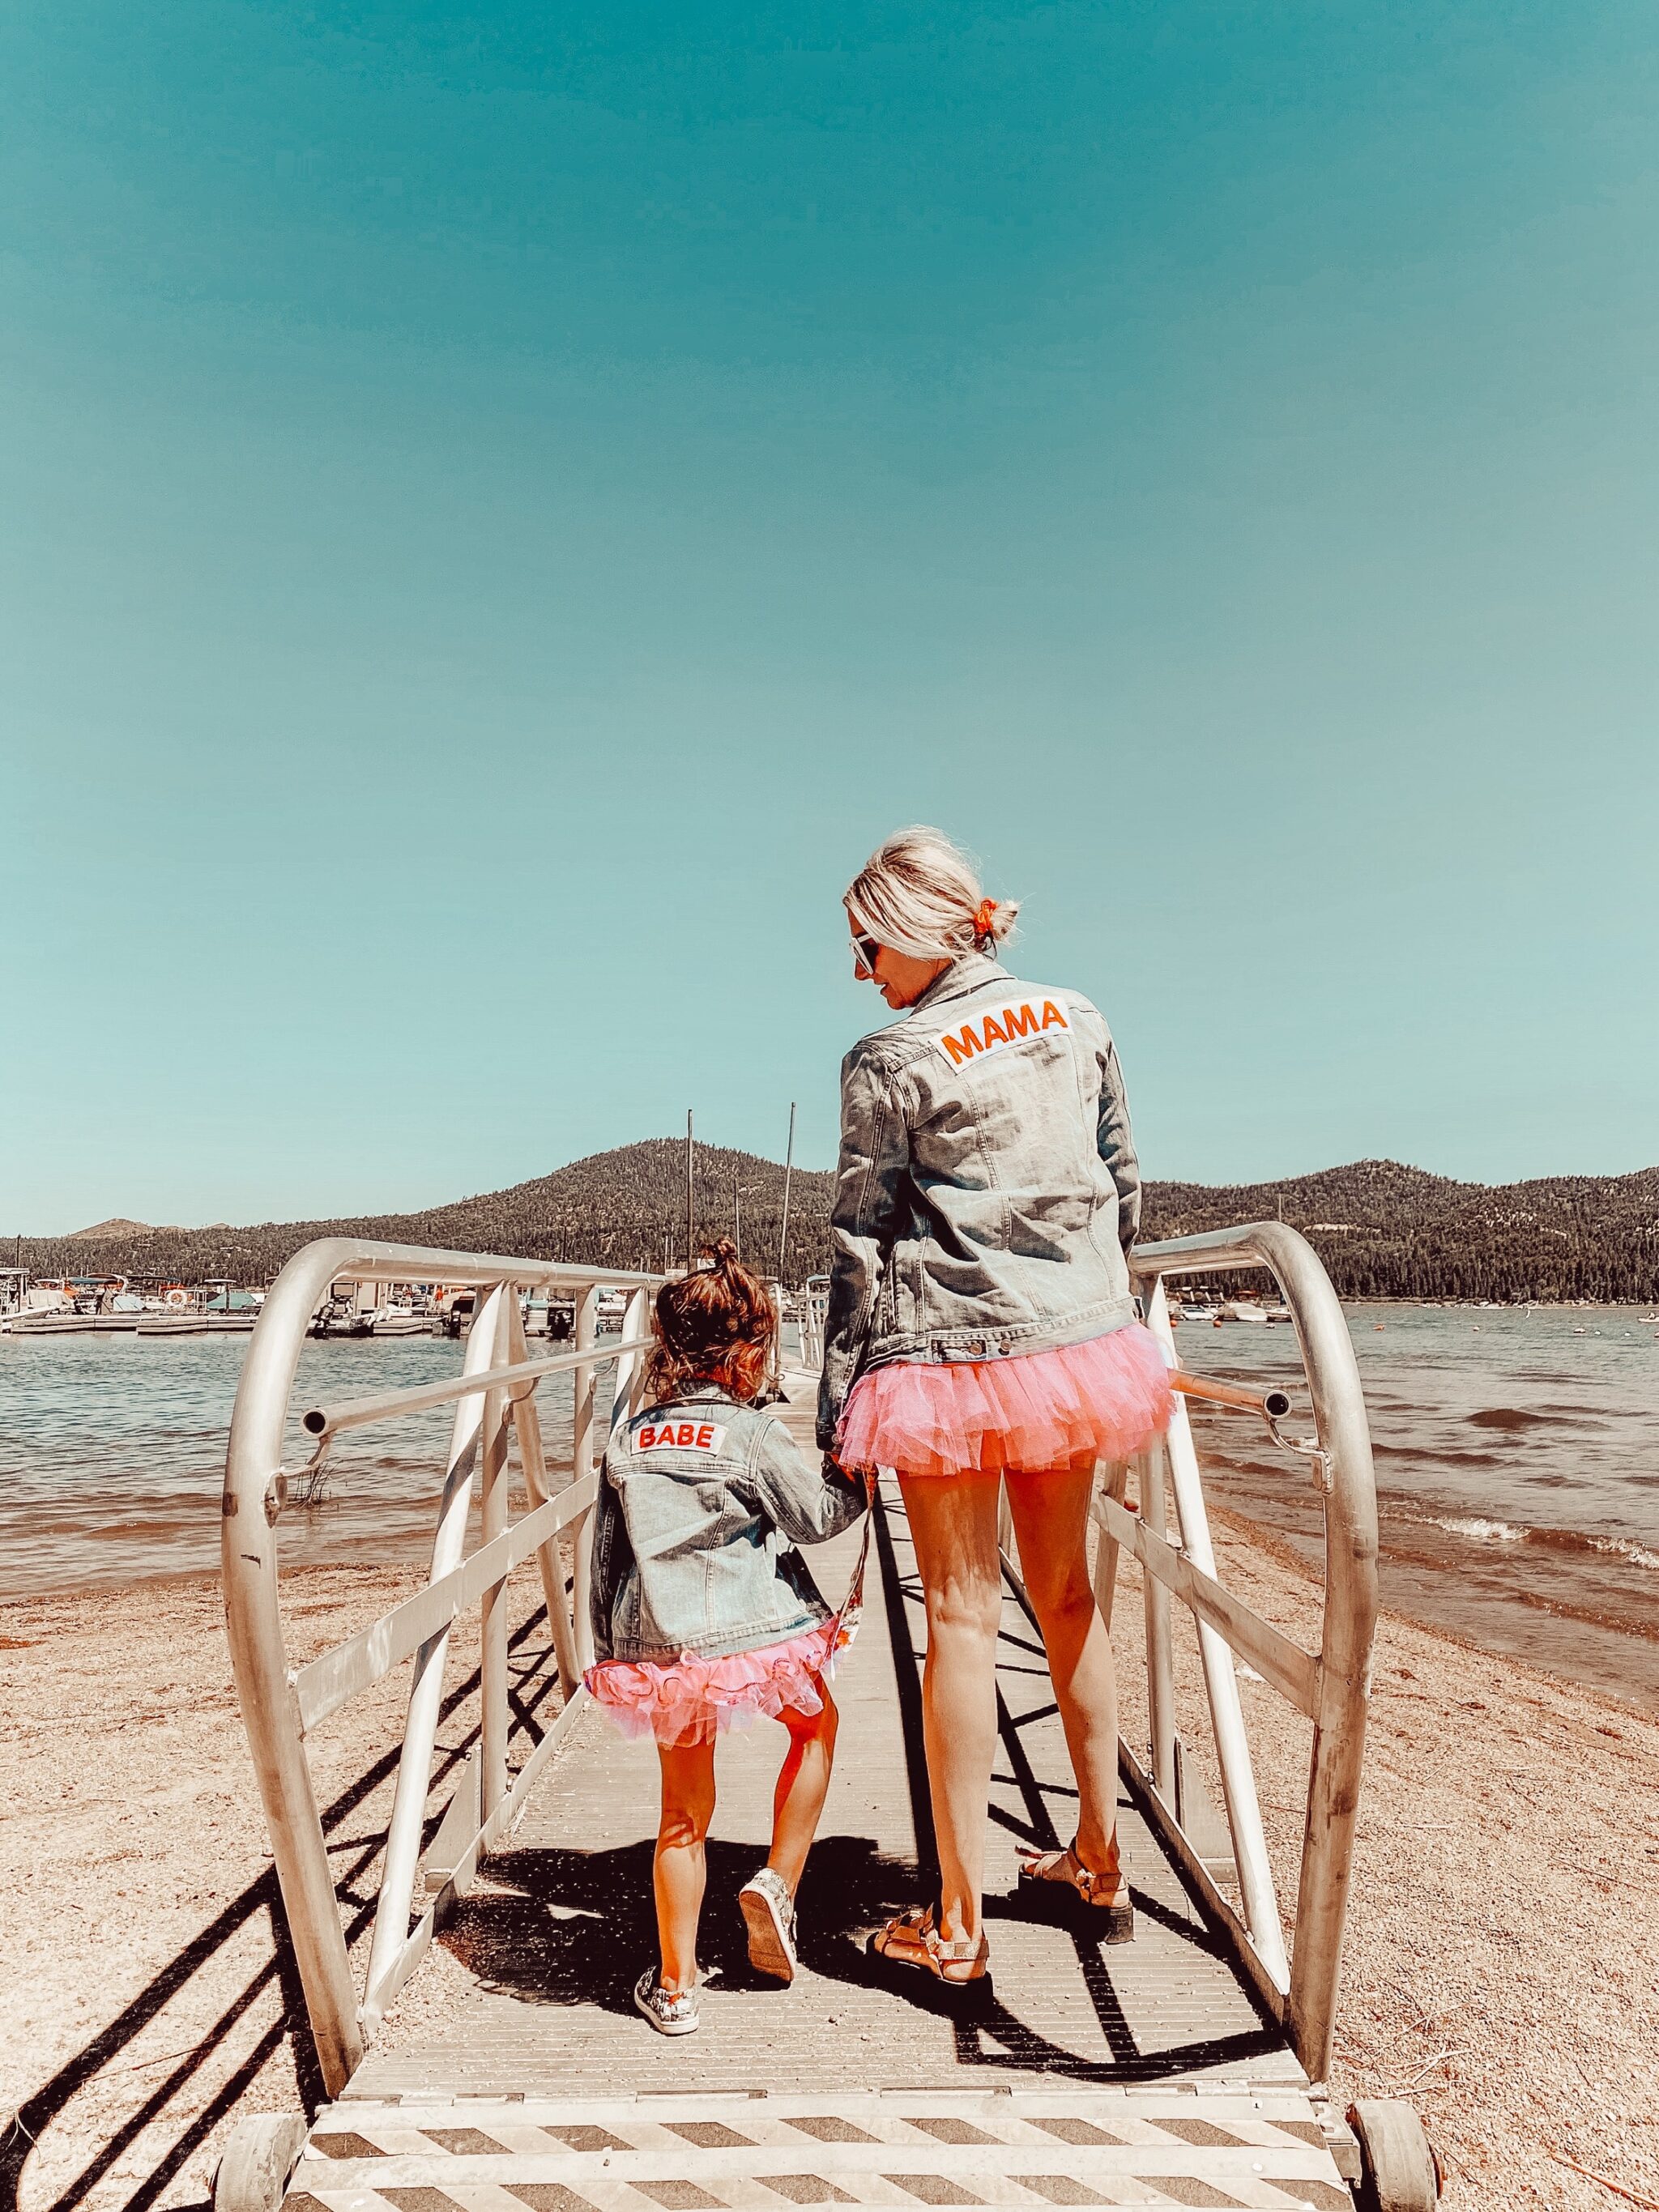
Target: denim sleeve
1117, 1145
805, 1501
612, 1555
863, 1222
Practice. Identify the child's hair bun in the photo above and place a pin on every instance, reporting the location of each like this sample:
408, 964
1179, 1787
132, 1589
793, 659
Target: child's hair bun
717, 1324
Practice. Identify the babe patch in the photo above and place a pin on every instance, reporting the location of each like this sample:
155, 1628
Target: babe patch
1016, 1023
680, 1435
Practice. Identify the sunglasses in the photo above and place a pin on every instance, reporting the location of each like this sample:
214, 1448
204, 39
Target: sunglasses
865, 950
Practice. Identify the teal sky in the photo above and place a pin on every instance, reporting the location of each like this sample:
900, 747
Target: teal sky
502, 507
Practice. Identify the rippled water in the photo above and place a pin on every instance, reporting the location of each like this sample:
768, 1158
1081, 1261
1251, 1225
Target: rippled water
112, 1455
1517, 1473
1517, 1466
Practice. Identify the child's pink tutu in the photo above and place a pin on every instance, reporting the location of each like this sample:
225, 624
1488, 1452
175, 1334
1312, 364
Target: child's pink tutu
1105, 1398
693, 1700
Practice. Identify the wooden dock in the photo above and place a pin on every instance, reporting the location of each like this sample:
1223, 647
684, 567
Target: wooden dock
1155, 2045
1166, 2071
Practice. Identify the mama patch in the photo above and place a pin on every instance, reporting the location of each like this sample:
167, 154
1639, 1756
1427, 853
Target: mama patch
1002, 1028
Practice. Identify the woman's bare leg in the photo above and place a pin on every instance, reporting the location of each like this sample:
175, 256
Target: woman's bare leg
803, 1785
1051, 1520
688, 1807
953, 1525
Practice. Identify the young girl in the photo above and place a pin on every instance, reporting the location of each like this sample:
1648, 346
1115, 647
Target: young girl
704, 1614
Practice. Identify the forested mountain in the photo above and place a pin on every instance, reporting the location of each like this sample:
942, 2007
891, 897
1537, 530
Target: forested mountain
620, 1209
1383, 1231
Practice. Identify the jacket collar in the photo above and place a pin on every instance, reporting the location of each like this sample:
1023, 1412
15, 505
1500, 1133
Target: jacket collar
967, 974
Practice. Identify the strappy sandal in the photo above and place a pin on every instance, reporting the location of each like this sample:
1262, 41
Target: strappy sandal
911, 1938
1086, 1895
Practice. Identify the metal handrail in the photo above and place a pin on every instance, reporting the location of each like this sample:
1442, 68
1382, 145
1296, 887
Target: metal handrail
1332, 1687
1271, 1405
496, 1388
387, 1405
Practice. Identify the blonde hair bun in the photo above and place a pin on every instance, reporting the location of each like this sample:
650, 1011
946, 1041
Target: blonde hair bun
921, 894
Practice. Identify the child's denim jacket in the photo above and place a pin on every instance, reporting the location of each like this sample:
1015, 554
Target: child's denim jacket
988, 1188
702, 1502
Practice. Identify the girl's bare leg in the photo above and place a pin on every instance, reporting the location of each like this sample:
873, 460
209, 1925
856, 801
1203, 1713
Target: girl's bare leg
803, 1785
688, 1807
953, 1525
1051, 1519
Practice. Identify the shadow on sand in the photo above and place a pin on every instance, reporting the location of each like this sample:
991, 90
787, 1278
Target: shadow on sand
19, 2132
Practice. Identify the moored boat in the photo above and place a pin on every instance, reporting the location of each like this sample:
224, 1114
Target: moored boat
400, 1320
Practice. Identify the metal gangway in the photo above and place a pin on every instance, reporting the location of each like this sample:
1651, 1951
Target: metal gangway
1187, 2068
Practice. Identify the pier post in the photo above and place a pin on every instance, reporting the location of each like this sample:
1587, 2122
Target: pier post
403, 1844
527, 1420
1160, 1650
581, 1533
1255, 1878
493, 1722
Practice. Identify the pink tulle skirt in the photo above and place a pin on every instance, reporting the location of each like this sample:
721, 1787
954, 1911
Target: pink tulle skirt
692, 1700
1106, 1399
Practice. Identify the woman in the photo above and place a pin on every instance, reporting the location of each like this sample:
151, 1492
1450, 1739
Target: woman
981, 1328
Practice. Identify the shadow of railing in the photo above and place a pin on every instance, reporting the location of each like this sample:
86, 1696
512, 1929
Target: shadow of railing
38, 2111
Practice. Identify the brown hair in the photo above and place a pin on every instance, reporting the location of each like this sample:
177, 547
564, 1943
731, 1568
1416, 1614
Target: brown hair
716, 1325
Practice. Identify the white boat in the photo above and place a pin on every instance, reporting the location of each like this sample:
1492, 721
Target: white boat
1199, 1313
337, 1321
400, 1320
1244, 1309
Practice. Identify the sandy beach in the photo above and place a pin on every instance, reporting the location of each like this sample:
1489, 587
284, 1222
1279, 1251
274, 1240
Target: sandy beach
1503, 1958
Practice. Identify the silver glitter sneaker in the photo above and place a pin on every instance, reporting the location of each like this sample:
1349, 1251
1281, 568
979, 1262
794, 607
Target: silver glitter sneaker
670, 2012
769, 1909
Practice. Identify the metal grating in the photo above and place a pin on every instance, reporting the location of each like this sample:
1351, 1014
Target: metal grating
1240, 2147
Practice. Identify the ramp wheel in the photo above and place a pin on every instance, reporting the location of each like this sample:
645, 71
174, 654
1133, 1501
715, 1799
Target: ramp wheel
1401, 2172
258, 2157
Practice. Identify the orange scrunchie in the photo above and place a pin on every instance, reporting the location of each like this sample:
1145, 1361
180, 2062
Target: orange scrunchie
983, 915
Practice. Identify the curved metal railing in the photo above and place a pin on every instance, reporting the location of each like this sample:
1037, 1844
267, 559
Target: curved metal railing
1331, 1687
493, 1393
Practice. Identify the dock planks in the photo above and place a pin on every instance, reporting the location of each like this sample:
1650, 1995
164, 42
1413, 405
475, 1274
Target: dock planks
559, 1923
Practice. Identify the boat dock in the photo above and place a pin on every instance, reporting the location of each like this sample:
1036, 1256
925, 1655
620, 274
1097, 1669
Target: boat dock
1185, 2068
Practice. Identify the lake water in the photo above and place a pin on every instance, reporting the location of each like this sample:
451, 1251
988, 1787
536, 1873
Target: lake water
1517, 1473
1517, 1466
112, 1455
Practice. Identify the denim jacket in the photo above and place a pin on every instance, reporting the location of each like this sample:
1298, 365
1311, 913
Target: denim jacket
987, 1189
701, 1504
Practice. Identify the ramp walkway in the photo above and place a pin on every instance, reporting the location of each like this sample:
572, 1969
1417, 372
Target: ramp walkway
1170, 2070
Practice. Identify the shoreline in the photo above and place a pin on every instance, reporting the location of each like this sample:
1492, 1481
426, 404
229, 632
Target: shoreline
1261, 1535
1496, 1962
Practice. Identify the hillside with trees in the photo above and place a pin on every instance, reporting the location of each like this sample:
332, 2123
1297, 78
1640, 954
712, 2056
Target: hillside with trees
1383, 1231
